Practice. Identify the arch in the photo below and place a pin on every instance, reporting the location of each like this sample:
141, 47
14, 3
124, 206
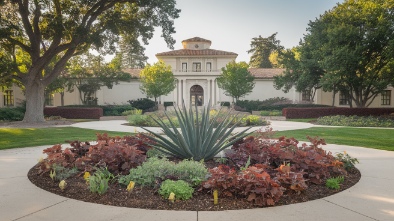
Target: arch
197, 95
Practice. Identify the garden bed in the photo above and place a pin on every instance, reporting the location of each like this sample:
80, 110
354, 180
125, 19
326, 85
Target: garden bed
256, 174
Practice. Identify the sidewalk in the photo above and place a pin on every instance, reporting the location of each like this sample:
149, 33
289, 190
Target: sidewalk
370, 199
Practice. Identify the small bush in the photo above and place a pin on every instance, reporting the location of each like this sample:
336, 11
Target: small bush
252, 120
155, 169
168, 103
141, 120
225, 104
11, 114
144, 104
355, 121
271, 113
334, 183
98, 184
132, 112
180, 188
62, 173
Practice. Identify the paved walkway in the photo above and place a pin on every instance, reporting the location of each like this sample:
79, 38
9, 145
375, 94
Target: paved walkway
370, 199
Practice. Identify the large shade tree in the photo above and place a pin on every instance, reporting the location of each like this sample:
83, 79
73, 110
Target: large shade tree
236, 80
352, 49
42, 30
157, 80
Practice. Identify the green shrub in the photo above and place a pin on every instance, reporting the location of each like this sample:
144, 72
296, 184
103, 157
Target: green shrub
225, 104
150, 171
144, 104
132, 112
108, 110
98, 184
252, 120
104, 173
180, 188
334, 183
355, 121
193, 172
61, 173
11, 114
168, 103
140, 120
155, 169
271, 113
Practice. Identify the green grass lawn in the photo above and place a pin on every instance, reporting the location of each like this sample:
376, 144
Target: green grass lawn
363, 137
28, 137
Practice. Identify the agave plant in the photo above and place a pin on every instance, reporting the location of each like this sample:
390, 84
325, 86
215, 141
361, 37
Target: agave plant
198, 137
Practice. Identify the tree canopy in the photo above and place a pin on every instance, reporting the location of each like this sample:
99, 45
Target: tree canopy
42, 31
261, 49
236, 80
157, 80
349, 49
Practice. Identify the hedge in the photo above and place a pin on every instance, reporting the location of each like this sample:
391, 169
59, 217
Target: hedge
74, 112
294, 113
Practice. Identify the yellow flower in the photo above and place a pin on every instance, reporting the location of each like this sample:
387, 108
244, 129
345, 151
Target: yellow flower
344, 152
40, 160
52, 174
86, 176
215, 197
130, 187
62, 184
171, 198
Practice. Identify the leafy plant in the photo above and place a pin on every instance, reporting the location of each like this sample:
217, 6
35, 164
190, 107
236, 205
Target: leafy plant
140, 120
355, 121
104, 173
62, 173
132, 112
180, 188
334, 183
154, 170
221, 160
98, 184
197, 137
252, 120
143, 104
347, 160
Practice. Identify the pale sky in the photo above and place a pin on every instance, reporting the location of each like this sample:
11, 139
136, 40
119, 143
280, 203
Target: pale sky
231, 24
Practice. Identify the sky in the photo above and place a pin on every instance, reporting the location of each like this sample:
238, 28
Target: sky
231, 24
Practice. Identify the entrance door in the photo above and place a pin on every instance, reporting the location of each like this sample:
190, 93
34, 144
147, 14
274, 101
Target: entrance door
197, 95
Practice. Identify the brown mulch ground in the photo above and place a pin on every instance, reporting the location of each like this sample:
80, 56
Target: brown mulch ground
147, 198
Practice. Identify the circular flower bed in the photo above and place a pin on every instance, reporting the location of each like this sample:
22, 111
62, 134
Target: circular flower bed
255, 172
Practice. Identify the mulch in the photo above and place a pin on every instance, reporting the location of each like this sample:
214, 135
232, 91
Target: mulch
148, 198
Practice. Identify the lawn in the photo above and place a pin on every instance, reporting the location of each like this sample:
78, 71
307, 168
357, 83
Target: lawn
28, 137
363, 137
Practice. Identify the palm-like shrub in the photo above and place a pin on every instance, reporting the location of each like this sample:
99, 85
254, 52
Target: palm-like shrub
198, 136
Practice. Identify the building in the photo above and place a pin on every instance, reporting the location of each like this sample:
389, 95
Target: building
196, 68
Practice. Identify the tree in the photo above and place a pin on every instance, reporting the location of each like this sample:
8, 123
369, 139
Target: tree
132, 53
157, 80
88, 74
236, 80
352, 49
261, 49
301, 71
43, 30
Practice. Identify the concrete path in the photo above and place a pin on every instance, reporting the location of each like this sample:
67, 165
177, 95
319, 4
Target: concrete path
370, 199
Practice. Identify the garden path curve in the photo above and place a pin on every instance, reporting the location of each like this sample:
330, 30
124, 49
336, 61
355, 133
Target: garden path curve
370, 199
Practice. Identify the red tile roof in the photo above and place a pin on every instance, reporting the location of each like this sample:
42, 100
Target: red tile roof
189, 52
265, 72
196, 39
134, 72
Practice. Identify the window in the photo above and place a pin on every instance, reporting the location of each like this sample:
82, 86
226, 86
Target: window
306, 95
343, 98
184, 67
209, 66
197, 67
386, 97
49, 99
8, 98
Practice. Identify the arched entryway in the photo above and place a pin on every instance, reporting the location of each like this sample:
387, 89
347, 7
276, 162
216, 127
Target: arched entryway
197, 95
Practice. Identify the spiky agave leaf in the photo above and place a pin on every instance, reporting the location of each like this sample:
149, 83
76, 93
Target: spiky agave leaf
197, 138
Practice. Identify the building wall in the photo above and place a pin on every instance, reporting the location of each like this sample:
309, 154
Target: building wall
264, 89
326, 98
17, 93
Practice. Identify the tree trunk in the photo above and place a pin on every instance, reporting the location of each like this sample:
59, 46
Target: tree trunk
62, 98
35, 101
